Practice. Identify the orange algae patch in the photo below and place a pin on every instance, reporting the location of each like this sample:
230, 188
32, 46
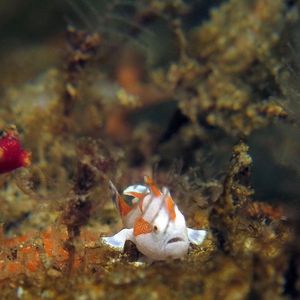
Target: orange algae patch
32, 266
31, 258
53, 241
16, 241
14, 267
21, 254
264, 210
39, 252
48, 246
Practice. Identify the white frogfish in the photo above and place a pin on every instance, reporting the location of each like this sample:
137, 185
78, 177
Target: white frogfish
153, 222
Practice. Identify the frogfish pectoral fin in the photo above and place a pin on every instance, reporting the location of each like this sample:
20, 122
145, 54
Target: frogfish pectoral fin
195, 236
117, 241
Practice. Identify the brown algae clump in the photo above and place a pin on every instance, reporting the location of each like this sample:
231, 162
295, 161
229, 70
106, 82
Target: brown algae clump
229, 57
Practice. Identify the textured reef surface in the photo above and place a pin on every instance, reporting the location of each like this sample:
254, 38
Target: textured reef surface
202, 97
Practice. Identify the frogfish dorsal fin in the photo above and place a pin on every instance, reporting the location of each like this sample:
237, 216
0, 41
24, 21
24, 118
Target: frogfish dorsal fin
152, 186
119, 201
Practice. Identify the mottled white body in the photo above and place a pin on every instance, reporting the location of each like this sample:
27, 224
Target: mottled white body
155, 225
